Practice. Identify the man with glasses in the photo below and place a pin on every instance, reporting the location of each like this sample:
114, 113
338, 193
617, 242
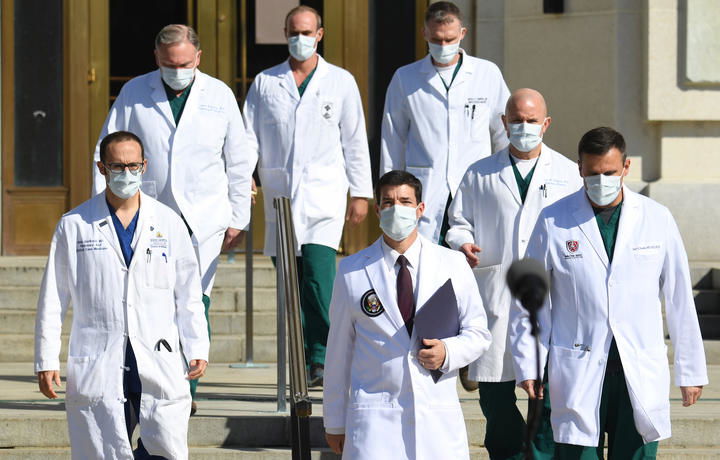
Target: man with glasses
126, 264
195, 138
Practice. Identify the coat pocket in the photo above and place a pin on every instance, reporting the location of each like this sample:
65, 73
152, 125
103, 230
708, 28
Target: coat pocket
158, 269
85, 380
571, 379
491, 283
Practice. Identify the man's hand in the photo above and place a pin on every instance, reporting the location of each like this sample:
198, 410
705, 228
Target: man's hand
690, 395
233, 237
197, 369
433, 357
470, 250
529, 387
45, 382
336, 442
357, 210
253, 192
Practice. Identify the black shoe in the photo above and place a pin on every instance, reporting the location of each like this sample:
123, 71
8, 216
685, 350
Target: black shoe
317, 374
193, 408
466, 383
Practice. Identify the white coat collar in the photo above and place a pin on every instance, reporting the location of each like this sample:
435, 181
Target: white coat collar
160, 96
287, 80
434, 79
507, 175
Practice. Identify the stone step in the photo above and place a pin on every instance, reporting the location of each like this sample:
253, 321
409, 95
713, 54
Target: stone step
707, 301
221, 322
28, 271
15, 348
705, 275
223, 299
710, 326
236, 453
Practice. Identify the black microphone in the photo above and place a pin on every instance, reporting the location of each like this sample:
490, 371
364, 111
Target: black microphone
528, 282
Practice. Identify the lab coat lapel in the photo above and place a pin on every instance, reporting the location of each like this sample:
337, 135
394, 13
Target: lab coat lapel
287, 82
103, 223
145, 218
433, 78
313, 88
507, 176
464, 73
430, 276
194, 99
160, 97
585, 218
381, 281
536, 190
629, 217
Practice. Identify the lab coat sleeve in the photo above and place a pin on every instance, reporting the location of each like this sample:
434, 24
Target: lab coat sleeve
682, 320
52, 304
115, 121
497, 129
353, 138
338, 358
474, 338
250, 111
395, 127
522, 342
460, 213
240, 161
189, 309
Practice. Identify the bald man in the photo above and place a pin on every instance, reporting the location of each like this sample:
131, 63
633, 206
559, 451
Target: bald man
491, 219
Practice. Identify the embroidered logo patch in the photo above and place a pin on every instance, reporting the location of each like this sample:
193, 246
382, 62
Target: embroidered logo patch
370, 304
572, 245
326, 110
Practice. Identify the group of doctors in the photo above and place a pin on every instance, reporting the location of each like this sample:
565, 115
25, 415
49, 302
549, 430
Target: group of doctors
463, 165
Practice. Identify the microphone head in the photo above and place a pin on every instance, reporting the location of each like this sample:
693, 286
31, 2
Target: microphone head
528, 281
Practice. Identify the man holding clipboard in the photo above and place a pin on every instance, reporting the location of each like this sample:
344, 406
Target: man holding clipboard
405, 315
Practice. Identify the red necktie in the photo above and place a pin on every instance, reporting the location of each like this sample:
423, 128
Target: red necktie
406, 299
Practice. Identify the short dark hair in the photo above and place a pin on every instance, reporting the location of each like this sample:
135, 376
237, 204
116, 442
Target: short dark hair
599, 141
301, 9
119, 136
443, 13
396, 178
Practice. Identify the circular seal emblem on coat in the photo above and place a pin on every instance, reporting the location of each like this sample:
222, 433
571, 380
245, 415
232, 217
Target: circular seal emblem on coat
371, 305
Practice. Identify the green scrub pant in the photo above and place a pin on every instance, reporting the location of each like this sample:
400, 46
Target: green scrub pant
194, 382
616, 419
316, 275
505, 427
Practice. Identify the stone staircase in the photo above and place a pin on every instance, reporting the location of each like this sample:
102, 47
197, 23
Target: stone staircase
706, 284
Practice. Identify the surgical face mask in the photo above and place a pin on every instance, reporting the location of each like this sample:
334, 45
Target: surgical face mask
602, 189
177, 79
443, 54
525, 136
301, 47
398, 221
124, 184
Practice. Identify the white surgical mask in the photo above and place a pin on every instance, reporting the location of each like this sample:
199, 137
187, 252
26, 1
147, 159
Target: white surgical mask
177, 79
525, 136
602, 189
443, 54
301, 47
398, 221
125, 184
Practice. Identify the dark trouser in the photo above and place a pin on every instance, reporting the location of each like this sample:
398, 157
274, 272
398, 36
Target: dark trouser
316, 275
194, 382
616, 419
445, 226
132, 388
505, 428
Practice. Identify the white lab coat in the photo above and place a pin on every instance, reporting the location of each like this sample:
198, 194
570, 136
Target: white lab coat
311, 149
202, 168
157, 297
592, 301
487, 211
375, 387
437, 134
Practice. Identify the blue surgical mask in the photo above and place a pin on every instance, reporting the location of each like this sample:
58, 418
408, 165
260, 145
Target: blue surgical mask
398, 221
177, 79
443, 54
525, 136
301, 47
124, 184
601, 189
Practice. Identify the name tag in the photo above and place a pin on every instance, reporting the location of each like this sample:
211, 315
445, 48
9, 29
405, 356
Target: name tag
212, 108
91, 245
158, 243
647, 249
477, 100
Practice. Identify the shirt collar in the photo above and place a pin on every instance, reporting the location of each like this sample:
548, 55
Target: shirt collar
412, 254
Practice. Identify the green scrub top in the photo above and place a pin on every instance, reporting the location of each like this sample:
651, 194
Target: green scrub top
523, 183
303, 86
177, 103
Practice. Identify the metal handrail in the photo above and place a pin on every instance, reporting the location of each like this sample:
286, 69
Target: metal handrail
289, 304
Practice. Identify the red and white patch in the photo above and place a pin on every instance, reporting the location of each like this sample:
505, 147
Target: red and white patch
572, 245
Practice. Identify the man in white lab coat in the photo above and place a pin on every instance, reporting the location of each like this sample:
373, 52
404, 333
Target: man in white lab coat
305, 119
195, 139
491, 218
126, 264
380, 399
610, 254
442, 114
